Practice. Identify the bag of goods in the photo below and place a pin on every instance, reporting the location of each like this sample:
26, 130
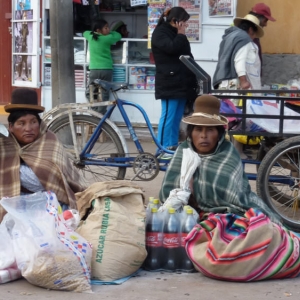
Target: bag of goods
48, 252
249, 248
8, 267
113, 220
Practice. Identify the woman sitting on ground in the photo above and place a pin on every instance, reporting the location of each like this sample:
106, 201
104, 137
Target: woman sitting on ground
31, 157
219, 184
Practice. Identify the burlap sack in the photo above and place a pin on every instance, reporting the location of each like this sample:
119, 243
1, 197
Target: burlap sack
115, 227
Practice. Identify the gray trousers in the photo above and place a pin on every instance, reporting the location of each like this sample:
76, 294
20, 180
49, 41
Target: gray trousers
104, 75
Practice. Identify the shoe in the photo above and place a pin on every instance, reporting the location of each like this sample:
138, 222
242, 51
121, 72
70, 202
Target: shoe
165, 156
172, 148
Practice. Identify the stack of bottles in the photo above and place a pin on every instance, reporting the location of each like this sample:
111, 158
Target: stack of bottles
165, 238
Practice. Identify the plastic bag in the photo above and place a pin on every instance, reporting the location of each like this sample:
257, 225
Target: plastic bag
271, 107
48, 253
8, 267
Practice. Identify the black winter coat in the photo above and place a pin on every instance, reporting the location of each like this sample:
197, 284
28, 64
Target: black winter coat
173, 79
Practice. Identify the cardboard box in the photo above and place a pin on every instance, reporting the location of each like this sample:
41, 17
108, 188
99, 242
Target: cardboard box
139, 86
150, 80
150, 86
137, 71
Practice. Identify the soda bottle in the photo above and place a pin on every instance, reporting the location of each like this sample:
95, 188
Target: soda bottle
148, 209
155, 203
171, 241
153, 242
185, 263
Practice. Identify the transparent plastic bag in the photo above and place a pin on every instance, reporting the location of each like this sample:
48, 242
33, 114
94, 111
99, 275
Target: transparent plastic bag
8, 267
48, 253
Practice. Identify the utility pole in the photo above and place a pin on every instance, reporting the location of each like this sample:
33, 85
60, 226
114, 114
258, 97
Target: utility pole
62, 51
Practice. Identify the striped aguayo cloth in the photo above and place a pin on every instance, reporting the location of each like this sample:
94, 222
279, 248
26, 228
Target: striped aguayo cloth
249, 248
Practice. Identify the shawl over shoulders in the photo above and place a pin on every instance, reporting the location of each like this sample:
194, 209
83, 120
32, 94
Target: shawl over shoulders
220, 184
48, 160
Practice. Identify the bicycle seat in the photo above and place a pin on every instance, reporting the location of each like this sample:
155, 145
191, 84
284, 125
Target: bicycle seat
111, 86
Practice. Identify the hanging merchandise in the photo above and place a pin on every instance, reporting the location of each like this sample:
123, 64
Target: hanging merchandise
87, 2
138, 2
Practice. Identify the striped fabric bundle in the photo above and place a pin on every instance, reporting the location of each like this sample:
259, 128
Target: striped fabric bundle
249, 248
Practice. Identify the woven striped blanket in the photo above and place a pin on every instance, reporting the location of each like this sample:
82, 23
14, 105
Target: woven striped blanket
250, 248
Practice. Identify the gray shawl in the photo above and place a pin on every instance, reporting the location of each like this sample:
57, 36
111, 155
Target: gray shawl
233, 40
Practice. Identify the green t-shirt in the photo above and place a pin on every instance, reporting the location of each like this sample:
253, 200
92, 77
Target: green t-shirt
100, 54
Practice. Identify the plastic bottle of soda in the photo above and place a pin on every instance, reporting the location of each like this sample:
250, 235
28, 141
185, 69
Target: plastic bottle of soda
148, 209
153, 242
185, 263
171, 241
156, 203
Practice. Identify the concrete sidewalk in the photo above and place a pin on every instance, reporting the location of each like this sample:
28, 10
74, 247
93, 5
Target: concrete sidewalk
156, 286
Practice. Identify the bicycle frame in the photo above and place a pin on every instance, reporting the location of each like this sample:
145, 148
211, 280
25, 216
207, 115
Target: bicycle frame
122, 161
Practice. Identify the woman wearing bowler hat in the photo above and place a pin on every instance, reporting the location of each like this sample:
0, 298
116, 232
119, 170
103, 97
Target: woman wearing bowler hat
219, 184
31, 157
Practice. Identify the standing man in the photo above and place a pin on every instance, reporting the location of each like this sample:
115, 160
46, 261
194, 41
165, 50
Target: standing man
263, 13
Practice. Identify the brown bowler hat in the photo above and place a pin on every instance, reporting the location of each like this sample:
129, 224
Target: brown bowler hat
24, 99
206, 112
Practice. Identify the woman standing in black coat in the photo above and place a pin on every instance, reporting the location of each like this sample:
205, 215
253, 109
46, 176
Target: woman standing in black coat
174, 82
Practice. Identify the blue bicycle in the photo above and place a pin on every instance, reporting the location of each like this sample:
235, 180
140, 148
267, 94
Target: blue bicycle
97, 146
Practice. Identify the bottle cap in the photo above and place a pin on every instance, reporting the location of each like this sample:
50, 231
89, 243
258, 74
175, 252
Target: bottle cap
171, 210
151, 199
155, 201
189, 211
153, 209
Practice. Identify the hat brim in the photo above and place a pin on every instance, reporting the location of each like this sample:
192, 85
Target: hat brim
260, 32
12, 107
270, 18
203, 121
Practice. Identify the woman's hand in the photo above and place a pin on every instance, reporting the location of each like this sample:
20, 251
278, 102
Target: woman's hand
181, 26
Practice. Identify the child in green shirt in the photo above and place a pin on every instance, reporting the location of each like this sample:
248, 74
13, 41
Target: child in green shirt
101, 63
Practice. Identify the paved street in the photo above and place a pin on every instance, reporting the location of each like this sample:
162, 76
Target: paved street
161, 285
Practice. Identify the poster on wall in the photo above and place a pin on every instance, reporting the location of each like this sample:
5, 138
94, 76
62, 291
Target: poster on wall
194, 8
192, 31
220, 8
25, 39
155, 10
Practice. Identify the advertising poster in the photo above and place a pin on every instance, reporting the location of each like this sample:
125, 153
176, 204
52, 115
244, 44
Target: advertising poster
155, 10
220, 8
193, 7
190, 6
25, 57
193, 30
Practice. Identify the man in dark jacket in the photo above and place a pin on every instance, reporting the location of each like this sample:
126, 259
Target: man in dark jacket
174, 82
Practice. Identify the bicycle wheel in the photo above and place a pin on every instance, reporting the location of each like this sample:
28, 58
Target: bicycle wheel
278, 181
107, 145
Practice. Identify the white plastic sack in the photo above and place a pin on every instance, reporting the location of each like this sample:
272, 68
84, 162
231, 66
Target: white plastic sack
179, 197
8, 267
271, 107
48, 253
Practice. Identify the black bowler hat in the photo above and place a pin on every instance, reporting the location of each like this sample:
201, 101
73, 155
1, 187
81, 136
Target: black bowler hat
24, 99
